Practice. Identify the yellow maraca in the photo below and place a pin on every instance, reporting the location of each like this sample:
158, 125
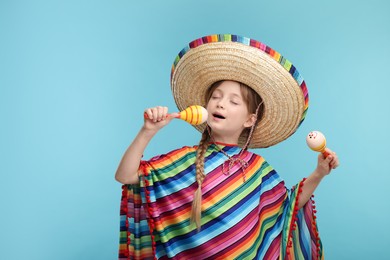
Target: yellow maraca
317, 142
195, 115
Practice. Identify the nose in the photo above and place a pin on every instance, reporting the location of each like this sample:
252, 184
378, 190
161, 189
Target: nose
220, 103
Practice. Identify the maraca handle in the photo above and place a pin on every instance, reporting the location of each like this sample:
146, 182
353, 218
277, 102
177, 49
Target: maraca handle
325, 154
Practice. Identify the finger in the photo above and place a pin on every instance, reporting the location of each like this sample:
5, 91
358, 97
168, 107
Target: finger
336, 163
155, 114
165, 112
174, 115
329, 151
149, 113
321, 157
162, 113
158, 113
334, 166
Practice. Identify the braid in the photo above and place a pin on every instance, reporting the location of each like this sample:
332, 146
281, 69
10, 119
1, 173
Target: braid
199, 164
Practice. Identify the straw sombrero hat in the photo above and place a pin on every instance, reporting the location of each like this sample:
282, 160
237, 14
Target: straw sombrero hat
230, 57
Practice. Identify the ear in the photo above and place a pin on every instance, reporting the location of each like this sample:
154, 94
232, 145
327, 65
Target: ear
251, 120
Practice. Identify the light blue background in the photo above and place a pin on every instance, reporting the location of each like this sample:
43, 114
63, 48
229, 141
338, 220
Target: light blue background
75, 77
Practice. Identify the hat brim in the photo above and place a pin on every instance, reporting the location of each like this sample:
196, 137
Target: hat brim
274, 78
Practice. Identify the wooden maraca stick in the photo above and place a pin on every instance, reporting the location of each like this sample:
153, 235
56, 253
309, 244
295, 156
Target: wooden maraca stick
317, 142
195, 115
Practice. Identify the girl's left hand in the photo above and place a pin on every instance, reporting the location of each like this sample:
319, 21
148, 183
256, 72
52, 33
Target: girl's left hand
325, 165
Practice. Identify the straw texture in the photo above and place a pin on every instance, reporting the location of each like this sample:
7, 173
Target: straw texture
230, 57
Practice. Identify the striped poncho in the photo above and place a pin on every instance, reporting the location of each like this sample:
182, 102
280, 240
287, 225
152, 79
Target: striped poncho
252, 219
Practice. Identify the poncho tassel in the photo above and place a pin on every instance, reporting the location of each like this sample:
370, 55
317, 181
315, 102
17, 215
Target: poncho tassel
314, 227
124, 211
150, 219
294, 218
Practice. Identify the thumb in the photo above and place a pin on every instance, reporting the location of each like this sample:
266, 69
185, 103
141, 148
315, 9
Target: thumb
322, 157
172, 116
329, 158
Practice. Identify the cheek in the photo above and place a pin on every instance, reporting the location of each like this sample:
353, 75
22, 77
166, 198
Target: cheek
209, 108
210, 104
241, 111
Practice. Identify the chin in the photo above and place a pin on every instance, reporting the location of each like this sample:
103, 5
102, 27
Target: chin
215, 127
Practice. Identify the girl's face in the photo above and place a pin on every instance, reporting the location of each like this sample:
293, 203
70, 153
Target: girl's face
228, 113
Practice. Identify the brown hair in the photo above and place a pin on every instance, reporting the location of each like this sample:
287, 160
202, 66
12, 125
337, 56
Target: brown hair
255, 106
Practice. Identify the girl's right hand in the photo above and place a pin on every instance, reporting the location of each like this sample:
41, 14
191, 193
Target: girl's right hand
157, 117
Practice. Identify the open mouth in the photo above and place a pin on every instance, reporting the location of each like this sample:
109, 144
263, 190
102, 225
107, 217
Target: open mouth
218, 116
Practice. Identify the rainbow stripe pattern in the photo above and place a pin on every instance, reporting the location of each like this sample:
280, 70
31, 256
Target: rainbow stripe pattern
286, 64
252, 219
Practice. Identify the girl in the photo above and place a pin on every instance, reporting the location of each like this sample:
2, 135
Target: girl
217, 200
